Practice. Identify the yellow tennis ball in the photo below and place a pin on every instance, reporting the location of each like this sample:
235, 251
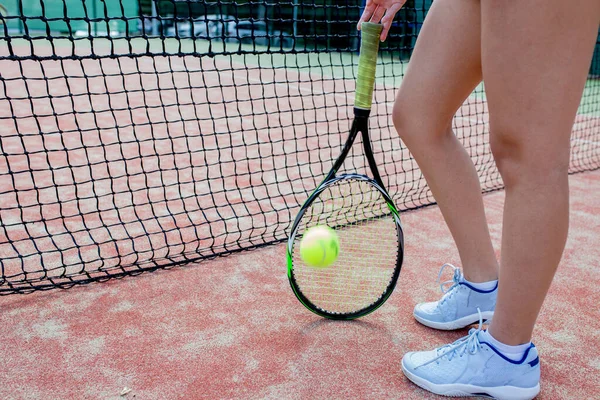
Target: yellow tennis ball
319, 246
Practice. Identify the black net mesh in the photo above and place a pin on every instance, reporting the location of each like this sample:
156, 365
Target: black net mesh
140, 135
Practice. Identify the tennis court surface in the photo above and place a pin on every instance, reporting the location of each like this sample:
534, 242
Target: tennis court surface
152, 160
232, 328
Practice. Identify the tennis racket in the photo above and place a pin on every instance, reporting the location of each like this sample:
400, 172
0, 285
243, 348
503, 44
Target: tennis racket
361, 212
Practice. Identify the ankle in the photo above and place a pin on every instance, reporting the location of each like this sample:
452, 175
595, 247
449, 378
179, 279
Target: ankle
480, 275
509, 337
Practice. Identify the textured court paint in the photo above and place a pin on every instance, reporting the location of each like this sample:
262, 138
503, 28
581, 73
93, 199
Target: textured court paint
232, 328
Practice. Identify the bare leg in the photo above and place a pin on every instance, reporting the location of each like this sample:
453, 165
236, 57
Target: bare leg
535, 57
444, 70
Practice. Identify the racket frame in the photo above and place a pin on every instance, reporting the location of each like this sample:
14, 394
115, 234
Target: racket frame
360, 124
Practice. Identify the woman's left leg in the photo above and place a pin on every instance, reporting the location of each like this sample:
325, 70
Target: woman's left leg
535, 58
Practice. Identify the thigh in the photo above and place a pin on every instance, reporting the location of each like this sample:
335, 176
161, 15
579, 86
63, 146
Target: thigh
445, 66
535, 59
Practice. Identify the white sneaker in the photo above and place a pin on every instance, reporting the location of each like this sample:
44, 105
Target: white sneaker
458, 307
473, 367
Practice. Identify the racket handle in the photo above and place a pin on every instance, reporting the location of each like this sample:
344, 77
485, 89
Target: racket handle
367, 63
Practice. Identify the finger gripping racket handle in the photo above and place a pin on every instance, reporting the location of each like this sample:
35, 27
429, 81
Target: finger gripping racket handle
367, 63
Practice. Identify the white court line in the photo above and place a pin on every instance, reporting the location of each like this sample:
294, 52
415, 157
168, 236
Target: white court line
586, 118
585, 124
593, 143
299, 88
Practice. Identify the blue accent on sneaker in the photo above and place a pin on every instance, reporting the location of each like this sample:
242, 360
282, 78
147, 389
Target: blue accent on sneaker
458, 306
535, 362
506, 358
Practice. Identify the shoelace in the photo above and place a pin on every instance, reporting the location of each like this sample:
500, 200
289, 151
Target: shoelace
454, 282
469, 344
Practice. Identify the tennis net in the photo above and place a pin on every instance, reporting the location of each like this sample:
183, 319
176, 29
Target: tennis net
137, 135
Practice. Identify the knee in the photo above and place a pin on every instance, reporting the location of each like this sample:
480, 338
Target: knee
401, 119
507, 150
520, 159
414, 126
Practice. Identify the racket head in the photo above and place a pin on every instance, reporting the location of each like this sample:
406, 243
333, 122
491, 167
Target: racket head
371, 248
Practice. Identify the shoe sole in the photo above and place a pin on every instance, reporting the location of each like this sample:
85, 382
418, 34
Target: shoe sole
463, 390
457, 323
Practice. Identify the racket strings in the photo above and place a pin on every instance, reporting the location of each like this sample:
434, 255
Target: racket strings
369, 245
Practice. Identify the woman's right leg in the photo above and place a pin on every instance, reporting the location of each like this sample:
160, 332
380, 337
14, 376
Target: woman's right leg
444, 69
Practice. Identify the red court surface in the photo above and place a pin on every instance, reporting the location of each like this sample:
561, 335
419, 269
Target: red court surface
231, 327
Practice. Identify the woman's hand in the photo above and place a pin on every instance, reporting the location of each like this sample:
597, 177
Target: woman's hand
381, 11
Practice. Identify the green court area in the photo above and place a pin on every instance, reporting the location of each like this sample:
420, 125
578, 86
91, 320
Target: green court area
590, 102
323, 62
